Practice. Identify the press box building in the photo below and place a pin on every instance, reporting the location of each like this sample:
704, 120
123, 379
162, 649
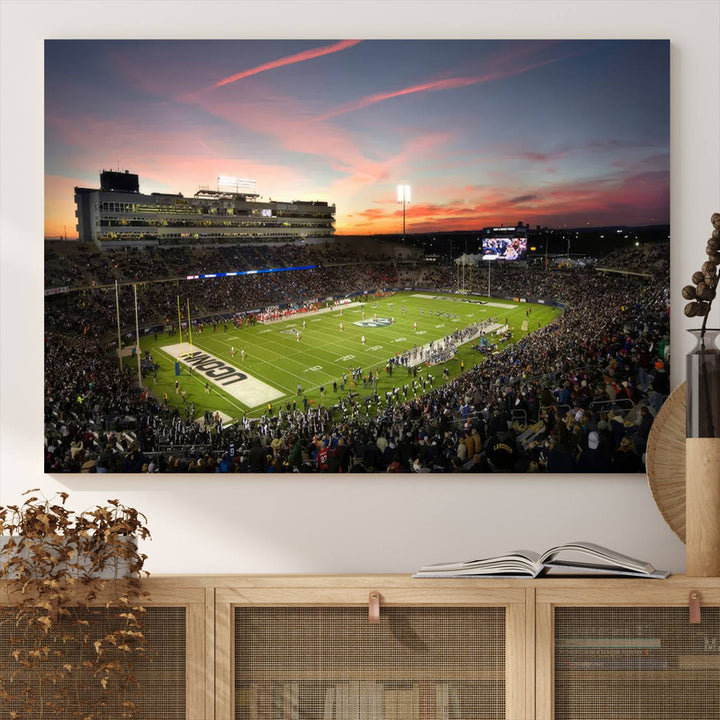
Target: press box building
118, 215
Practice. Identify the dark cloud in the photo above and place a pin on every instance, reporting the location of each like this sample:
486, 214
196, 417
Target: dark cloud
520, 199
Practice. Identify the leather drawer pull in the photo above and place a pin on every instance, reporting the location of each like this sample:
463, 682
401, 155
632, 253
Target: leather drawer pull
374, 607
694, 603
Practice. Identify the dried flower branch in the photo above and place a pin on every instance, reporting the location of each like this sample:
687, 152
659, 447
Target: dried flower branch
704, 290
701, 399
73, 615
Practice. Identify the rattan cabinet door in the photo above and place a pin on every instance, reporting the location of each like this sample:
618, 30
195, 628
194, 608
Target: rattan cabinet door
154, 681
627, 655
166, 680
328, 662
636, 662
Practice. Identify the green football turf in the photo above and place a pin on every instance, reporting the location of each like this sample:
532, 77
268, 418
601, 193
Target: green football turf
324, 352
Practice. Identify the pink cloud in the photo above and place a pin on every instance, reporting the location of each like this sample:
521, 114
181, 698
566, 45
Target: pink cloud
504, 67
118, 137
379, 97
289, 60
540, 157
186, 173
394, 168
288, 123
290, 126
167, 160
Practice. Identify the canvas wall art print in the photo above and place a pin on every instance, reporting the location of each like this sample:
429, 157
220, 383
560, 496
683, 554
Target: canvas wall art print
355, 256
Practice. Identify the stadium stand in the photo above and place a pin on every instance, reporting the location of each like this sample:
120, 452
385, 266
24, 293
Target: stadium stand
577, 395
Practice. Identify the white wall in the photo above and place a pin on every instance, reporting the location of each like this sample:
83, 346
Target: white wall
343, 524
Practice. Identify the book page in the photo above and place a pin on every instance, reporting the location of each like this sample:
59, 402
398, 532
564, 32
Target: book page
585, 552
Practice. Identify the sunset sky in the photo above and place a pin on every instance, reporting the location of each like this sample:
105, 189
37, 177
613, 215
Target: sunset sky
555, 133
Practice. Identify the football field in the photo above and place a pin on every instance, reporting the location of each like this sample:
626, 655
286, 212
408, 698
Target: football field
235, 371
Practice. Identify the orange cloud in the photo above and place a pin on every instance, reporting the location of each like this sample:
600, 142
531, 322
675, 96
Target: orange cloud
639, 199
289, 60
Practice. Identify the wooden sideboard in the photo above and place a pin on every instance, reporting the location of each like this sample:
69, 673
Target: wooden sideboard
264, 647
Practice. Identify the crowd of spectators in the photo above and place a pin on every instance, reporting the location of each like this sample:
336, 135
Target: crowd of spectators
76, 265
577, 395
645, 258
92, 312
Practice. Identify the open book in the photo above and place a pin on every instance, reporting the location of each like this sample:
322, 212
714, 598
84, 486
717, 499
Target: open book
575, 558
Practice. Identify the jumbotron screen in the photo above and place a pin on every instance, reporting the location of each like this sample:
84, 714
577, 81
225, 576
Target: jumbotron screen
504, 248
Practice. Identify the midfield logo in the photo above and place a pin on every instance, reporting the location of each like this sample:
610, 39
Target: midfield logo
379, 322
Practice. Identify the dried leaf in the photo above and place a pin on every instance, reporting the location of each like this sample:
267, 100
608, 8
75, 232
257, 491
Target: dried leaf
46, 622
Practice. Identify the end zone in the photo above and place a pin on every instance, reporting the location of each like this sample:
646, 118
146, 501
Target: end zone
243, 387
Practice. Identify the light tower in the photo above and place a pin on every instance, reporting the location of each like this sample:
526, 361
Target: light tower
238, 185
403, 196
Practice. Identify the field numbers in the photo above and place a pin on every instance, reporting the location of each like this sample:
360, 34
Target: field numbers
420, 332
440, 325
374, 348
314, 368
345, 358
400, 339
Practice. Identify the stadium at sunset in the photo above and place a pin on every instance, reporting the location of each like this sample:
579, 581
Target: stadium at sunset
559, 134
355, 256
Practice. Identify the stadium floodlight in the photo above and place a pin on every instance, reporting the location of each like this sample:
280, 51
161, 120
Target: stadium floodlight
238, 184
403, 196
403, 193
